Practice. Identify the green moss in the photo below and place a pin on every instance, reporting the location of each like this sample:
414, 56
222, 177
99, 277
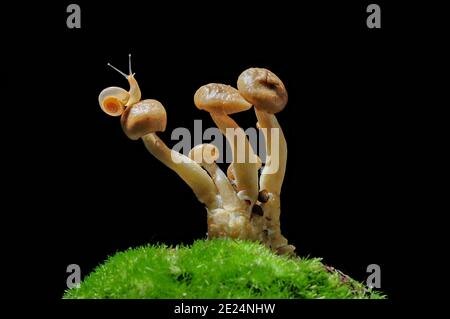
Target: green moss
215, 269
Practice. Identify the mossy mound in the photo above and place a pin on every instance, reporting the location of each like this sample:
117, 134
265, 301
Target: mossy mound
215, 269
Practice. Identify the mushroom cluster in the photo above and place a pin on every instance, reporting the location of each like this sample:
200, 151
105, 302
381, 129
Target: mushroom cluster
242, 203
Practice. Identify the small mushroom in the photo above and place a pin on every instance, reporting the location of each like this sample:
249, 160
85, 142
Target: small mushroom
221, 100
206, 155
142, 118
268, 95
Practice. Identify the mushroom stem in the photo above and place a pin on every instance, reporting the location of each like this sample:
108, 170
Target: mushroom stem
227, 193
272, 175
246, 171
196, 177
271, 179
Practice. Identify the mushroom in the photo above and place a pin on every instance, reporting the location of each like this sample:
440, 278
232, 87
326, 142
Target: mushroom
143, 119
267, 93
220, 101
206, 155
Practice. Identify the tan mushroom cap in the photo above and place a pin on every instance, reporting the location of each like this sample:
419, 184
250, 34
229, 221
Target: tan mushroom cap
142, 118
204, 153
263, 89
220, 98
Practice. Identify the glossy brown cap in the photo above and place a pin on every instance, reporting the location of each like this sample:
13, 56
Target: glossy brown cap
220, 98
142, 118
263, 89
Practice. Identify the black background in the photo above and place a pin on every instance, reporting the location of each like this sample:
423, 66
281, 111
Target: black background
79, 190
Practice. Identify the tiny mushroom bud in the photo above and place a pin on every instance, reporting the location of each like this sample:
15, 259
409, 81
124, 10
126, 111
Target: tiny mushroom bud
142, 118
206, 155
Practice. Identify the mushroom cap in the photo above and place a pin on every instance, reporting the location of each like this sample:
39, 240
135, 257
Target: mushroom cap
220, 98
204, 153
263, 89
142, 118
